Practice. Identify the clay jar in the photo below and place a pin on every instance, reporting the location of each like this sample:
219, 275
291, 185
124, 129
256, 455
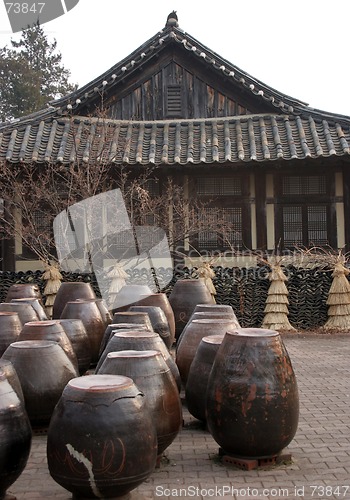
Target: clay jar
10, 373
70, 291
36, 305
43, 369
76, 332
198, 329
10, 328
132, 317
105, 315
101, 441
158, 320
88, 312
184, 297
24, 310
140, 340
197, 380
20, 290
252, 396
161, 300
15, 436
49, 330
153, 377
112, 327
214, 314
129, 295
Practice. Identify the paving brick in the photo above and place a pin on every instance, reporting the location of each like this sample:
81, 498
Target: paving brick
320, 450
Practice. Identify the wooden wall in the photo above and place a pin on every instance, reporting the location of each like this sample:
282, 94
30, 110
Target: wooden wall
175, 92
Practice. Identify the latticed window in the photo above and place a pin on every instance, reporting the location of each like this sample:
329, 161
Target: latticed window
213, 240
304, 211
225, 213
219, 186
304, 185
305, 225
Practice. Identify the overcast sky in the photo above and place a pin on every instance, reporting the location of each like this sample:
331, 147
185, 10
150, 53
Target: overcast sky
300, 48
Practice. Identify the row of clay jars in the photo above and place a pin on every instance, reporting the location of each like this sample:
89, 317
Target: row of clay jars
141, 298
77, 345
153, 377
206, 320
137, 339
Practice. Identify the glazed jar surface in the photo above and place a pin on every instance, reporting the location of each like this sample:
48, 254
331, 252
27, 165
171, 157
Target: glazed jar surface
152, 376
184, 297
15, 436
101, 440
252, 405
69, 291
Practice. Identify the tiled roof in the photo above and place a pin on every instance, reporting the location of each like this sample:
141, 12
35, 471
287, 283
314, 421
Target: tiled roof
225, 140
172, 34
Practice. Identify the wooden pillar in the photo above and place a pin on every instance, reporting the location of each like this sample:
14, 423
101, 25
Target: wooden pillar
346, 198
260, 207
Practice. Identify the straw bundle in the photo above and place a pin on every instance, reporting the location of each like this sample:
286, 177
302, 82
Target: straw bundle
53, 278
276, 308
339, 299
206, 272
118, 277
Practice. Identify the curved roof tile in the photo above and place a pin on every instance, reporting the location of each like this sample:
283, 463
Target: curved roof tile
179, 142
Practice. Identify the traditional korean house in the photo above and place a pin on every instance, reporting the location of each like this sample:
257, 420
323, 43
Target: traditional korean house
278, 169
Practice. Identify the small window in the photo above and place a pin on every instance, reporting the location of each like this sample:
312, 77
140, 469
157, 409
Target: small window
173, 101
219, 186
304, 185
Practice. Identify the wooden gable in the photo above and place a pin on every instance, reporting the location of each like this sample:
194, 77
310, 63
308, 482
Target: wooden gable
178, 87
173, 76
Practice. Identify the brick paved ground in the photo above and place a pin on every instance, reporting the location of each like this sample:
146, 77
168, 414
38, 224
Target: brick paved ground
320, 467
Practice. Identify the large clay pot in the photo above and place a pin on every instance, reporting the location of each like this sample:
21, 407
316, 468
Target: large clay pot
15, 436
105, 314
112, 327
198, 375
161, 300
10, 373
76, 332
132, 317
70, 291
50, 330
129, 295
153, 377
158, 320
88, 312
43, 369
20, 290
10, 328
36, 305
197, 329
101, 441
184, 297
252, 395
24, 310
140, 340
214, 314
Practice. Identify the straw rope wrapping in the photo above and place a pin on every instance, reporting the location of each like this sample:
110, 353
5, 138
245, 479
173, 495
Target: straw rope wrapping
276, 307
339, 299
